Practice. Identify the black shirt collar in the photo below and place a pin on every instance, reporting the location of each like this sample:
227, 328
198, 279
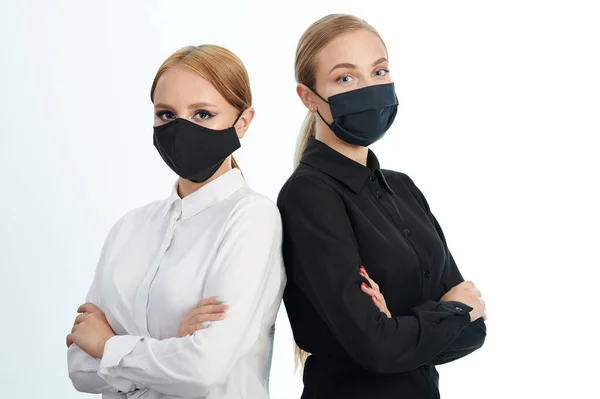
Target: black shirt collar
354, 175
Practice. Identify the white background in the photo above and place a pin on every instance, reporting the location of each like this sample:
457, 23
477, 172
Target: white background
498, 125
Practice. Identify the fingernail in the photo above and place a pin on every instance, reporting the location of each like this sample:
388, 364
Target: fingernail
364, 285
219, 299
206, 323
362, 269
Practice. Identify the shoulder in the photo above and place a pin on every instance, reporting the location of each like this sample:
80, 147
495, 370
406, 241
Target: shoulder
395, 177
136, 217
306, 184
401, 181
251, 206
401, 184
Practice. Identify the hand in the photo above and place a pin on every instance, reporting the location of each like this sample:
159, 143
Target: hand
374, 292
200, 317
91, 330
467, 293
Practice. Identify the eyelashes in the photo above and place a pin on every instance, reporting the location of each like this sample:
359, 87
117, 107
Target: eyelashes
346, 78
200, 114
165, 115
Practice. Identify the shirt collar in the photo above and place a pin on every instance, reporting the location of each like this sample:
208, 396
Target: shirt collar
340, 167
207, 195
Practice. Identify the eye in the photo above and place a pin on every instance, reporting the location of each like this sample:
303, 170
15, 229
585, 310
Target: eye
381, 72
203, 115
345, 79
165, 116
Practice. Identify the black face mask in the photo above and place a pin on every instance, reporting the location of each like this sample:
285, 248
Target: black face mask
362, 116
192, 151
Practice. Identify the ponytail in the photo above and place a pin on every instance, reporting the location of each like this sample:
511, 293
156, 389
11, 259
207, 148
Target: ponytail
234, 163
300, 357
313, 40
307, 130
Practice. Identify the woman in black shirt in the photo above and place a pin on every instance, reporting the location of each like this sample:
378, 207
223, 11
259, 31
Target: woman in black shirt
349, 224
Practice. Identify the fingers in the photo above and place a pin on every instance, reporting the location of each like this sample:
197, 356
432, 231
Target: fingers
210, 301
80, 318
69, 340
376, 295
373, 291
206, 317
190, 329
75, 328
466, 284
88, 307
206, 309
363, 272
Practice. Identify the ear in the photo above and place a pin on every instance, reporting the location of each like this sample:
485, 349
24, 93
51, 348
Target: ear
243, 123
308, 97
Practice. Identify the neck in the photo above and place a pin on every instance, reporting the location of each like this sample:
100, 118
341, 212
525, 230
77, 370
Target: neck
354, 152
186, 187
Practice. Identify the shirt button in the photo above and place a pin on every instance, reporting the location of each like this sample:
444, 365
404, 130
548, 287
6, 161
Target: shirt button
406, 232
379, 194
458, 309
372, 178
427, 274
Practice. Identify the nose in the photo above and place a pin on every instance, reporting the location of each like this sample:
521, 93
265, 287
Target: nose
367, 80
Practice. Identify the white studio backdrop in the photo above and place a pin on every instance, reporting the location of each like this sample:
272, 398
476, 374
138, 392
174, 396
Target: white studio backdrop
498, 125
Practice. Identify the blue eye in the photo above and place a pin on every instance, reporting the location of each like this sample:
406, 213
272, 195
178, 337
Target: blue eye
165, 116
381, 72
345, 79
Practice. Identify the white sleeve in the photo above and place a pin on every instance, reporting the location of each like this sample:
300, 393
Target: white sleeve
83, 369
191, 365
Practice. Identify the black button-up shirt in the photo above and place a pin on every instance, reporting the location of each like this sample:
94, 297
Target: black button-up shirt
338, 215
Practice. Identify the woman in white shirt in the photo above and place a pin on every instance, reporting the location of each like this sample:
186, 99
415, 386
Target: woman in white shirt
145, 330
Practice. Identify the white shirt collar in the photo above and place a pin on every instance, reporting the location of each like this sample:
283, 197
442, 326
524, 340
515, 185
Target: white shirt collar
207, 195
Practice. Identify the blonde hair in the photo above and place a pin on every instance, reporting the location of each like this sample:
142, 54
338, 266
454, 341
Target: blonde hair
220, 67
316, 37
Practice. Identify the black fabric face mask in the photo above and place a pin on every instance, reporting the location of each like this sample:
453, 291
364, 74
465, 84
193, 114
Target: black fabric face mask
192, 151
362, 116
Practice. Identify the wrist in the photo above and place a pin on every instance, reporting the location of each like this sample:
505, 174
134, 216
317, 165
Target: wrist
102, 345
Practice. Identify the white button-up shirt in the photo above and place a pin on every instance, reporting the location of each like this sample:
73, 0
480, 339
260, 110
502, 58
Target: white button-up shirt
157, 263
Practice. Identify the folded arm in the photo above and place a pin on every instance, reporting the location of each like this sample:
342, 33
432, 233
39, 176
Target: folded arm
322, 258
472, 336
83, 368
190, 366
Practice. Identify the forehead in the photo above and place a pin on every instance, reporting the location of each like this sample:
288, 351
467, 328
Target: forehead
359, 47
181, 84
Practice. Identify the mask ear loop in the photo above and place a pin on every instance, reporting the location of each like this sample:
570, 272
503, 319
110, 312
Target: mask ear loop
237, 119
326, 102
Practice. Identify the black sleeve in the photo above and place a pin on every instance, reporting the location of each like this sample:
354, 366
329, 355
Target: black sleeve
321, 257
471, 337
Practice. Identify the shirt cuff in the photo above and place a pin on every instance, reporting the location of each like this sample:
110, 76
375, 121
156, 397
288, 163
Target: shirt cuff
457, 308
115, 349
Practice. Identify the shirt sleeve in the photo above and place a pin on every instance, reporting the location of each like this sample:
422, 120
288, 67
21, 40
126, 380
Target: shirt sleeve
471, 337
83, 368
244, 273
321, 256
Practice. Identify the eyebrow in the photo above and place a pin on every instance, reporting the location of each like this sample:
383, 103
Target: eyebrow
191, 106
379, 61
352, 66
